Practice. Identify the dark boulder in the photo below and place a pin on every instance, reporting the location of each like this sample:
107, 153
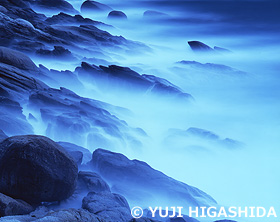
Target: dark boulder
92, 182
108, 206
89, 6
117, 15
57, 52
10, 206
197, 46
148, 184
35, 169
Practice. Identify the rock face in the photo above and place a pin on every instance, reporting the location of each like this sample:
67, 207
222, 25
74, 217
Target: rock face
89, 6
108, 206
117, 15
10, 206
147, 183
92, 182
54, 5
36, 169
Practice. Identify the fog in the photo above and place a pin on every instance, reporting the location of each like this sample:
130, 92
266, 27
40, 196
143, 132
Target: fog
241, 103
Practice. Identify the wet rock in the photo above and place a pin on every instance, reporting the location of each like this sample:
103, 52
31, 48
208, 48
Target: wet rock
197, 46
117, 15
89, 6
36, 169
10, 206
108, 206
92, 182
148, 184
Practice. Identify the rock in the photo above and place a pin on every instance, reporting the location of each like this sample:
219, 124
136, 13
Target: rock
70, 147
16, 59
149, 185
63, 18
150, 14
57, 52
70, 215
54, 5
197, 46
108, 206
77, 156
115, 78
2, 135
92, 182
36, 169
89, 6
117, 15
202, 133
10, 206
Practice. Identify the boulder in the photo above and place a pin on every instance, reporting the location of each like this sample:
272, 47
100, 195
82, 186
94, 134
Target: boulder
148, 184
10, 206
92, 182
36, 169
89, 6
117, 15
108, 206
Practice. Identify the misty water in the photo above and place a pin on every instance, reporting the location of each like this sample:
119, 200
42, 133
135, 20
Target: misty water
243, 106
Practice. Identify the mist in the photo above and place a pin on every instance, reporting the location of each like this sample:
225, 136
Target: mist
235, 95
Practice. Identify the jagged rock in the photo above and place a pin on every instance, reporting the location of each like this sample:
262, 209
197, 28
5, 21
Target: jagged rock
115, 78
117, 15
16, 59
36, 169
108, 206
89, 6
197, 46
92, 182
57, 52
63, 18
148, 184
10, 206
